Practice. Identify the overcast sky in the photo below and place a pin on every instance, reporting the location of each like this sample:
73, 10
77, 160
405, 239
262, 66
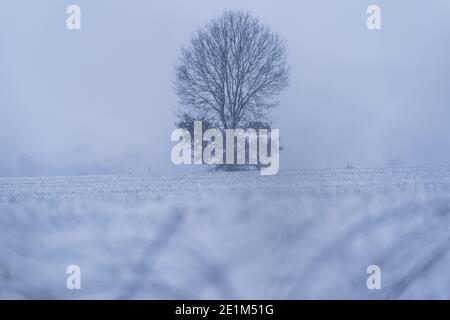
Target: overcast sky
104, 94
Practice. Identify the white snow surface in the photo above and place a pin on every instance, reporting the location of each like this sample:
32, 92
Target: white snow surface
296, 235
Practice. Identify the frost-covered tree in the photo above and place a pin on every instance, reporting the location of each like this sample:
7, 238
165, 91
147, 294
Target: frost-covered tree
230, 72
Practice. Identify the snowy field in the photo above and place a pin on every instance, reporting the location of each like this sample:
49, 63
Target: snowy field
300, 234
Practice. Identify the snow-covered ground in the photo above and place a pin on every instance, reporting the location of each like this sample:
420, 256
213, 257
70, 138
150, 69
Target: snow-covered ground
300, 234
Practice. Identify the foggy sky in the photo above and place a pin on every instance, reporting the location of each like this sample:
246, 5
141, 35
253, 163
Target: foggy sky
103, 96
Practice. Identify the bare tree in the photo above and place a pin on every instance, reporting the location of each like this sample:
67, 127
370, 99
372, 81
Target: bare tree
230, 72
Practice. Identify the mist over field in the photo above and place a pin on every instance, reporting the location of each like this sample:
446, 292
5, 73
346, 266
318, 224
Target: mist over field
87, 178
101, 99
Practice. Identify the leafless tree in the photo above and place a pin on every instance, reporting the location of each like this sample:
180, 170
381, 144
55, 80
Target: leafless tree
230, 72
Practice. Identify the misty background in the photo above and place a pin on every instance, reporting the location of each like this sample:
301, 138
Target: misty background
101, 100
